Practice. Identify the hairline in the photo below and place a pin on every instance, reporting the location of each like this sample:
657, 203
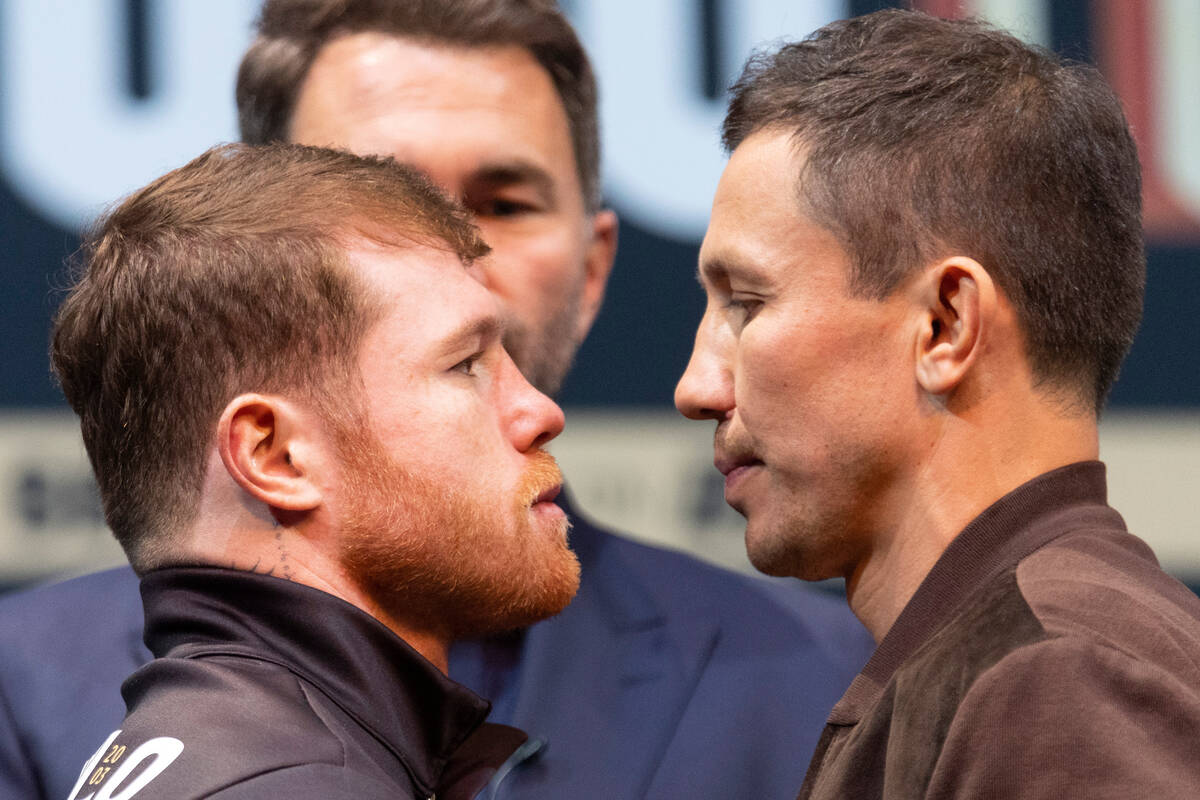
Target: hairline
592, 201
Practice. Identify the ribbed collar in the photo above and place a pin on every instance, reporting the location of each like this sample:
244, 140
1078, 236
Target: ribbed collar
1016, 525
373, 675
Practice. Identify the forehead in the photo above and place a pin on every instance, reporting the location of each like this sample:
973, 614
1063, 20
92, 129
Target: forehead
440, 107
757, 189
758, 229
425, 294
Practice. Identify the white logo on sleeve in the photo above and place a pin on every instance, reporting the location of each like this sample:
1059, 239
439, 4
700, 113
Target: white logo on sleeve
96, 771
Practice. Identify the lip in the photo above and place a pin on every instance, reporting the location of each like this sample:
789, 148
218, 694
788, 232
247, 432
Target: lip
735, 470
548, 494
544, 508
728, 465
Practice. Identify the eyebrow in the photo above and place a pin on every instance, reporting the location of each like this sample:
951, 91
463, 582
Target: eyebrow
507, 173
717, 268
486, 327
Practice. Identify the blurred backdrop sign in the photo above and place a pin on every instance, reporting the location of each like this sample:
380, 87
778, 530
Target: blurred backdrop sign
97, 97
101, 96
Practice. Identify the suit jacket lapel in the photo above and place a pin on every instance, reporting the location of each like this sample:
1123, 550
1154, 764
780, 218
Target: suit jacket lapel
606, 682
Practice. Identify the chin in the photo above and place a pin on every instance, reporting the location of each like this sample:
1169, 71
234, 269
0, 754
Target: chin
765, 552
527, 576
448, 558
783, 554
518, 600
771, 563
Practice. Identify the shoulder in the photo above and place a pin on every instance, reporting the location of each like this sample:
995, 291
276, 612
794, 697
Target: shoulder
1060, 673
112, 588
1106, 586
202, 725
1068, 711
66, 648
64, 639
226, 699
160, 768
100, 613
1067, 668
1101, 587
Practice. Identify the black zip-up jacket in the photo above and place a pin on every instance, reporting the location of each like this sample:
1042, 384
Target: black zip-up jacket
266, 688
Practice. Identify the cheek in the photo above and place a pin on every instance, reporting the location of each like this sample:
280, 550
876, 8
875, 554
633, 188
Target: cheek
425, 419
775, 366
533, 269
802, 386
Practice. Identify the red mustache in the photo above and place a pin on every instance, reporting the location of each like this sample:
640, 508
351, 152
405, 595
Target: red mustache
541, 480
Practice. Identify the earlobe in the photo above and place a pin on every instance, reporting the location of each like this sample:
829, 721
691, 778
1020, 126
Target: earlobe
958, 295
598, 261
262, 443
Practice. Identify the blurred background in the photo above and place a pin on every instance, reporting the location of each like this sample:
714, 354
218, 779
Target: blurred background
99, 96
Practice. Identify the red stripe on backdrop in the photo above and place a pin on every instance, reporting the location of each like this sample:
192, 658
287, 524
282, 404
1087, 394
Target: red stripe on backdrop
946, 9
1124, 35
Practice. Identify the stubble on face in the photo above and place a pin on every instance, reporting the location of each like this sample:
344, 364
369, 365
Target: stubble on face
813, 514
445, 560
811, 383
544, 354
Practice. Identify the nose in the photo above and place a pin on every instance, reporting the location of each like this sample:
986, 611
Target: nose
533, 419
705, 391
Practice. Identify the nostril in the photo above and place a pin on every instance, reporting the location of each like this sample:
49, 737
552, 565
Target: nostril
544, 438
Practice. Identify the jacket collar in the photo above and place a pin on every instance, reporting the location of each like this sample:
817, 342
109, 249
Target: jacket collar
1016, 525
378, 679
630, 605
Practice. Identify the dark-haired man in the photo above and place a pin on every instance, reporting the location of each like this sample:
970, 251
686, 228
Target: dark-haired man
924, 267
324, 466
665, 677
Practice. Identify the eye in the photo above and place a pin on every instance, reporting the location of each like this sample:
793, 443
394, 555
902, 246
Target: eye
502, 207
467, 365
507, 199
744, 307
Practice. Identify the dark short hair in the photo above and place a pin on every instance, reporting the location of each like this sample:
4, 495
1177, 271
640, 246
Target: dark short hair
227, 275
292, 32
926, 137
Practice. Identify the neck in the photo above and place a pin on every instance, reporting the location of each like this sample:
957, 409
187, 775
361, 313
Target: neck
969, 462
233, 532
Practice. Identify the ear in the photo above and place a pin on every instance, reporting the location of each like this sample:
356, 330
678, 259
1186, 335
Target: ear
959, 300
598, 261
266, 444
